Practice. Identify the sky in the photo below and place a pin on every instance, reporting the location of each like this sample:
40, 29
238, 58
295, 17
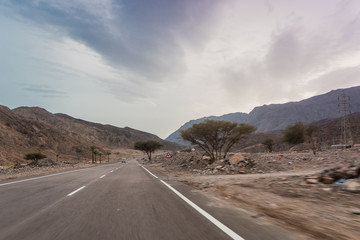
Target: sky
153, 65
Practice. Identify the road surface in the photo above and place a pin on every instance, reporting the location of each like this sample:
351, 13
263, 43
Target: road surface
119, 201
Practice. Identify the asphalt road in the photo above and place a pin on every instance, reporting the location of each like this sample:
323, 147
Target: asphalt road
119, 201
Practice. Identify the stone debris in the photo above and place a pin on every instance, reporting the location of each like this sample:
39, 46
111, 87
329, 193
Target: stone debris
246, 163
351, 185
332, 175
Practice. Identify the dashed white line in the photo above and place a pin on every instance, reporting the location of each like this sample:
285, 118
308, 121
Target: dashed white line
102, 176
112, 171
220, 225
79, 189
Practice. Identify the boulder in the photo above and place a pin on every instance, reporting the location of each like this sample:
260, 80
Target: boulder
235, 159
351, 185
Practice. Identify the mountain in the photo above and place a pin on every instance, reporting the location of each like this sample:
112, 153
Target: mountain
329, 133
30, 129
278, 116
231, 117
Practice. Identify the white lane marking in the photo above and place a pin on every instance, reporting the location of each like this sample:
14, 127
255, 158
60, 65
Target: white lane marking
30, 179
102, 176
112, 171
220, 225
149, 172
72, 193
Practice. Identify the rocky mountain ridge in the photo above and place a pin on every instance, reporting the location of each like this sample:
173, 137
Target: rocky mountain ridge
278, 116
32, 129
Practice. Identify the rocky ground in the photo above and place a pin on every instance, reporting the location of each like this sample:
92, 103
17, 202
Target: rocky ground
316, 195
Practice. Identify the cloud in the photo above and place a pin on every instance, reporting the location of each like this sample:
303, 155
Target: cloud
43, 91
301, 56
339, 78
135, 36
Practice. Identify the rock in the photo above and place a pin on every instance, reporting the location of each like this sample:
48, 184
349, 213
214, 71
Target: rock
184, 165
355, 211
311, 180
206, 157
352, 185
326, 179
236, 159
335, 174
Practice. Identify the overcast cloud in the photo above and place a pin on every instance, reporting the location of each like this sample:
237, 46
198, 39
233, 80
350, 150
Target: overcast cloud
153, 65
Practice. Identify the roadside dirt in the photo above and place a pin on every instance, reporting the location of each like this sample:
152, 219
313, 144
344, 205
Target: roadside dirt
286, 195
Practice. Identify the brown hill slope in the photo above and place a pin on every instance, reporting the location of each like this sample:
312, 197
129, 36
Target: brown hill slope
97, 134
32, 129
19, 136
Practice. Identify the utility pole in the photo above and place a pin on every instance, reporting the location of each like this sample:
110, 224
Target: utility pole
344, 108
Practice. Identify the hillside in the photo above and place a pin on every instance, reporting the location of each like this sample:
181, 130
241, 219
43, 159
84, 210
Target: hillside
328, 133
278, 116
231, 117
30, 129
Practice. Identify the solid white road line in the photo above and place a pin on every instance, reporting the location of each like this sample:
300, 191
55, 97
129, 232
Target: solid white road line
220, 225
102, 176
72, 193
51, 175
149, 172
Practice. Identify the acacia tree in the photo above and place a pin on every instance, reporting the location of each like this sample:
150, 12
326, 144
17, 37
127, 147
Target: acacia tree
216, 137
269, 143
309, 131
298, 133
148, 147
35, 157
294, 134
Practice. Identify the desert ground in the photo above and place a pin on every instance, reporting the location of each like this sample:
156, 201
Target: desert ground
317, 196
